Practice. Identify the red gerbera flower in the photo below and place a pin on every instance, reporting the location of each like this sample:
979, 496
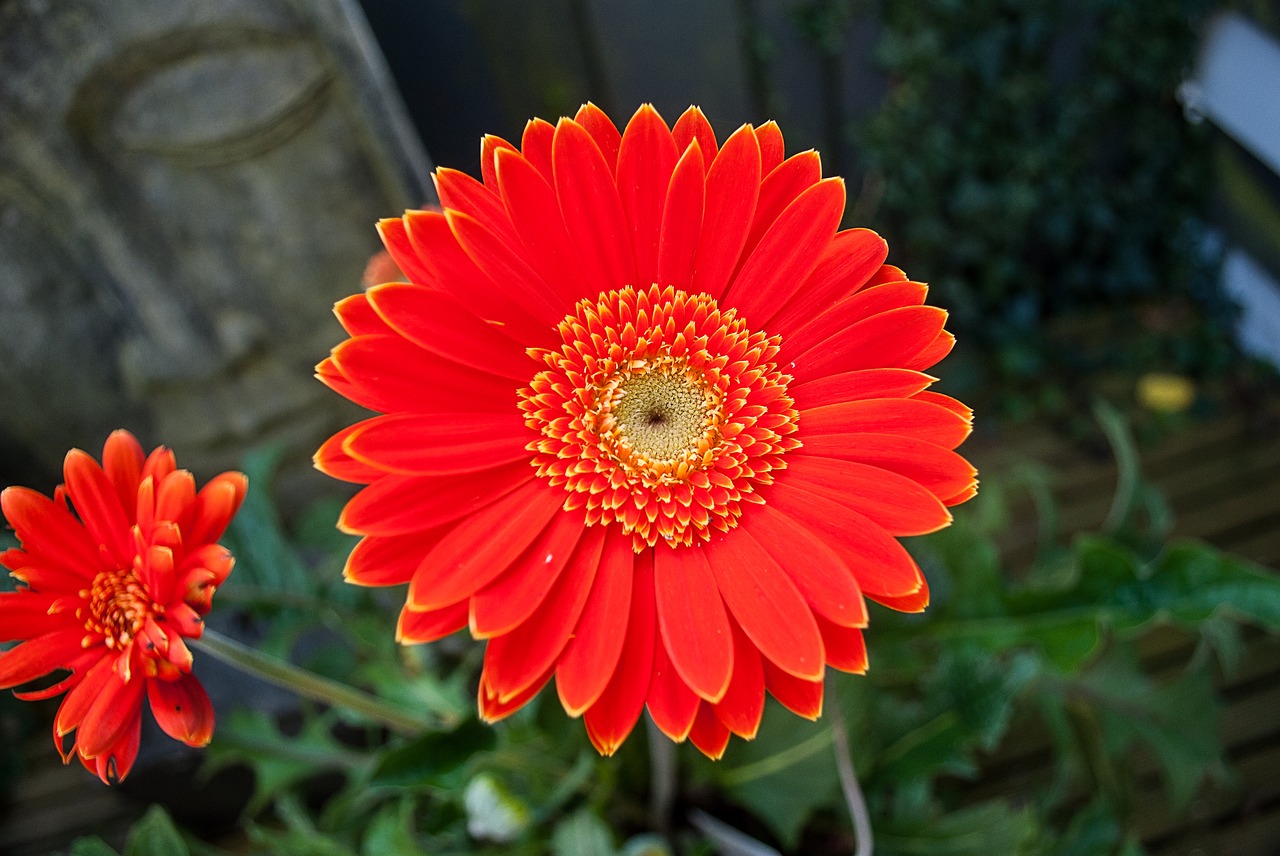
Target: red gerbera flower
109, 593
652, 425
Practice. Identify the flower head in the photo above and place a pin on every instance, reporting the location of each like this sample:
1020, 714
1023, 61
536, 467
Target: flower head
651, 425
110, 592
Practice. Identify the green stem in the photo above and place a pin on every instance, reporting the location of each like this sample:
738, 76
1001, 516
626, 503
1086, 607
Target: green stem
304, 683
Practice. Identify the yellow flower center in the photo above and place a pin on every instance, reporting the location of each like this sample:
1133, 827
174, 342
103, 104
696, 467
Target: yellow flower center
659, 412
662, 416
118, 606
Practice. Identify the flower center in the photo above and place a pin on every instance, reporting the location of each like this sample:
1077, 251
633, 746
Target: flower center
661, 416
118, 606
659, 412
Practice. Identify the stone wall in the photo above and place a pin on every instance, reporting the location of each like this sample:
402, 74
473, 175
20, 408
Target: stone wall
186, 187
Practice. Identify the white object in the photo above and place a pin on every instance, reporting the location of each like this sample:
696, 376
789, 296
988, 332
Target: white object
1249, 284
1237, 86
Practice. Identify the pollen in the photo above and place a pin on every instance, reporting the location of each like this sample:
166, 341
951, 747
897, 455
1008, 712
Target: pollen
118, 607
660, 413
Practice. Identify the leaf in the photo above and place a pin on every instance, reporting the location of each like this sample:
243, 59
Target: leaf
278, 761
91, 846
647, 844
1093, 830
785, 774
983, 830
1178, 721
433, 759
256, 536
1128, 465
155, 835
1110, 588
391, 832
582, 834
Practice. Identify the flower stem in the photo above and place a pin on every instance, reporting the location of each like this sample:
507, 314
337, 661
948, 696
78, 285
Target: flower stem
849, 778
662, 774
304, 683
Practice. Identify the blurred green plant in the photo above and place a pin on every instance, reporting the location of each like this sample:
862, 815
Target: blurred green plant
1035, 163
1049, 661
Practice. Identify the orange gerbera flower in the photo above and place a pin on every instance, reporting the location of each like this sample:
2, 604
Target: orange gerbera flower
110, 592
652, 425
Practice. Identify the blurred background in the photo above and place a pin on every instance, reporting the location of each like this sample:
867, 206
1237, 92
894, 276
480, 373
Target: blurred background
1091, 187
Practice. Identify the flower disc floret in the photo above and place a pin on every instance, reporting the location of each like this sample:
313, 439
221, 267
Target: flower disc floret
660, 412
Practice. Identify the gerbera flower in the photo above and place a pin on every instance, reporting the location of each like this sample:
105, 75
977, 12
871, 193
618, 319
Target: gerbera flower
110, 592
651, 425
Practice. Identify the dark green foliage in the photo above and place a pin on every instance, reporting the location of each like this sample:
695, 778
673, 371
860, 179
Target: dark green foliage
1035, 161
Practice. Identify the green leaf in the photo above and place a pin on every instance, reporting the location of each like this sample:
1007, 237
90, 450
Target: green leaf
1177, 721
647, 844
155, 835
433, 759
278, 761
582, 834
391, 832
785, 774
1109, 588
1092, 831
92, 846
1128, 465
983, 830
264, 556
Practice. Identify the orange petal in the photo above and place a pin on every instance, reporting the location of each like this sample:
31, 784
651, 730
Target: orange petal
764, 601
616, 711
682, 220
821, 576
409, 443
905, 416
535, 212
437, 323
182, 708
803, 698
894, 502
862, 383
709, 734
592, 654
512, 597
592, 209
97, 504
788, 251
693, 125
602, 130
122, 459
733, 185
880, 564
646, 161
846, 649
389, 560
515, 660
418, 626
695, 627
743, 704
672, 705
852, 257
396, 505
483, 545
536, 144
938, 470
39, 656
772, 147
